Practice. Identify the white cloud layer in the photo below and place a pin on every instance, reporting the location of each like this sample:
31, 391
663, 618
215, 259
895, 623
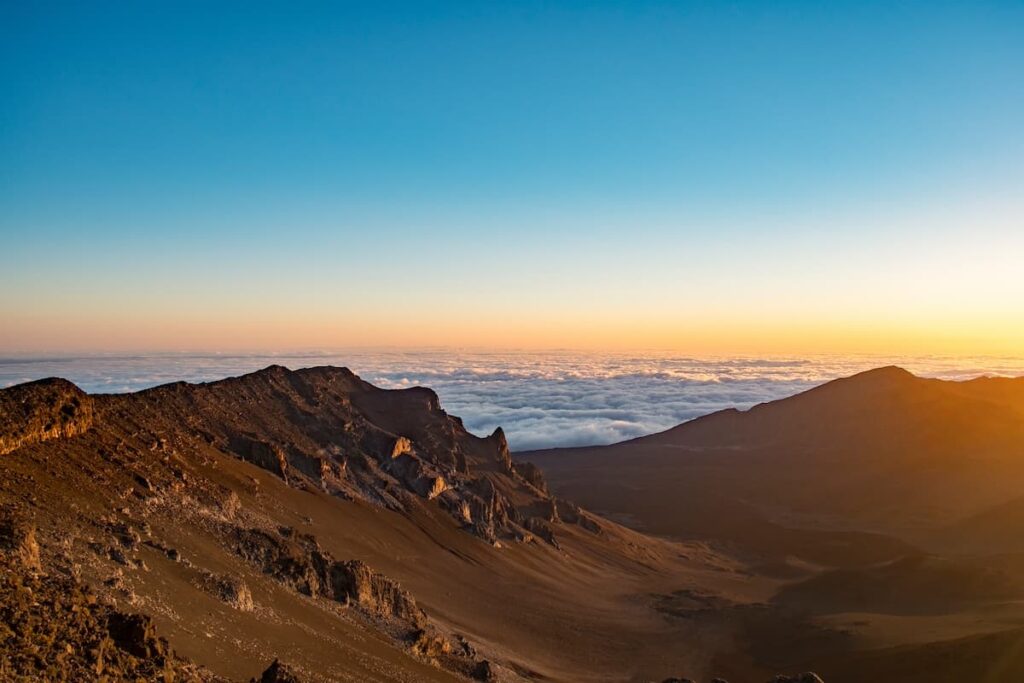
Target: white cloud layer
540, 399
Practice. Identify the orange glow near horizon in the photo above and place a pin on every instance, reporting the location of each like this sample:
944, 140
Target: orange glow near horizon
698, 337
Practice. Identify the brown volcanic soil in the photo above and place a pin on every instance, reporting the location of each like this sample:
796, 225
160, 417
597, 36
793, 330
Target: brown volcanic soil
355, 534
833, 492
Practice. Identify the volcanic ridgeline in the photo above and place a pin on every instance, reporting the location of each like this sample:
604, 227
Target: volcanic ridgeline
322, 427
143, 498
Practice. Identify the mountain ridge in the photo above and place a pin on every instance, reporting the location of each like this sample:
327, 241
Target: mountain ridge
369, 520
350, 533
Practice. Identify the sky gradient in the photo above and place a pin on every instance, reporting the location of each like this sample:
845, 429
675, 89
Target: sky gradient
707, 177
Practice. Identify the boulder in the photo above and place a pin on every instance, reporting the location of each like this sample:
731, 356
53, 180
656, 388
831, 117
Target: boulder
483, 671
279, 672
136, 634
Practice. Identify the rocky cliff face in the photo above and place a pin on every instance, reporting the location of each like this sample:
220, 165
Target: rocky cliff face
326, 428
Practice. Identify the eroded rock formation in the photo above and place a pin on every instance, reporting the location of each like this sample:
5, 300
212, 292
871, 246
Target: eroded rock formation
43, 410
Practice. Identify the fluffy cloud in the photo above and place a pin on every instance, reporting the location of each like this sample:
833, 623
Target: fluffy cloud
540, 399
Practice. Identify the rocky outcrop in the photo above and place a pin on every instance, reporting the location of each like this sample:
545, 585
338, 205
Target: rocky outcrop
355, 583
283, 555
542, 529
43, 410
532, 474
418, 476
230, 589
278, 672
401, 446
490, 512
261, 454
570, 513
504, 456
18, 541
297, 560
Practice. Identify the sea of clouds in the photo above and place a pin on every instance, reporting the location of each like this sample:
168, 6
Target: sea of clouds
541, 400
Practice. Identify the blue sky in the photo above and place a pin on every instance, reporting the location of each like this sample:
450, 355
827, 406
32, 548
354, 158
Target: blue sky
317, 144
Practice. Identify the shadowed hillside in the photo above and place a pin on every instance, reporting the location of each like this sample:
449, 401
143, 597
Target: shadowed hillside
835, 492
882, 452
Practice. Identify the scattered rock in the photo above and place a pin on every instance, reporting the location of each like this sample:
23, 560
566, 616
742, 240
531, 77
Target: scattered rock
465, 647
402, 446
56, 629
125, 535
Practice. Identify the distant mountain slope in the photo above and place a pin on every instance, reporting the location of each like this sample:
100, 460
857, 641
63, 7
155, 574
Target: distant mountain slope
882, 413
882, 451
